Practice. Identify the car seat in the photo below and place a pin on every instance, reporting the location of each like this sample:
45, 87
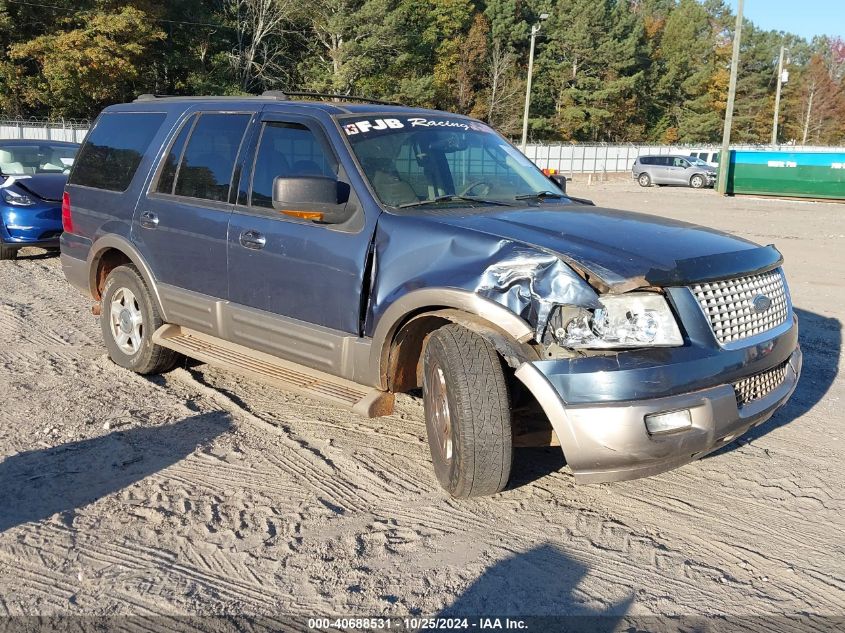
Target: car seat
9, 164
387, 182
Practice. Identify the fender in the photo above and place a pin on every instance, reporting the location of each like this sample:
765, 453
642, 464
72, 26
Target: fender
432, 300
116, 242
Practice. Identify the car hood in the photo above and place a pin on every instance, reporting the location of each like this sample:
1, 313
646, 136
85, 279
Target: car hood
46, 186
617, 251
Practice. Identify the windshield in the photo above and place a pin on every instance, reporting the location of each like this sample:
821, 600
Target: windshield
17, 159
414, 161
697, 161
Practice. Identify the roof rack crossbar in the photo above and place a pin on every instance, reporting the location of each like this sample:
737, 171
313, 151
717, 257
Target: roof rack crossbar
284, 94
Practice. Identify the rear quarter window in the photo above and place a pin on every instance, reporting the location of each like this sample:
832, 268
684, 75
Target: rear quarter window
113, 150
209, 157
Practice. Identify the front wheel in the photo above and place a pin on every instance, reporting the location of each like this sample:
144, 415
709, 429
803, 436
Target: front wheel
644, 180
8, 252
128, 318
467, 413
697, 181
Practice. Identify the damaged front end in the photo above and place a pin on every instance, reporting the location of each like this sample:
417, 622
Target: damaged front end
628, 357
568, 315
533, 284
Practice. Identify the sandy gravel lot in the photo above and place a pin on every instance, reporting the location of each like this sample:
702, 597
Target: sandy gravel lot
200, 492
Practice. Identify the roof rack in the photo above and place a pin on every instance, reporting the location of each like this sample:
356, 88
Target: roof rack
277, 94
284, 94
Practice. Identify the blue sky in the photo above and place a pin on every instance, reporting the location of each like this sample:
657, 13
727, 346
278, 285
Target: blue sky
802, 17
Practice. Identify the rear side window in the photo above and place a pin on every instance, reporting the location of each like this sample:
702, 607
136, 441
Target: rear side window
286, 149
168, 172
114, 149
209, 158
647, 160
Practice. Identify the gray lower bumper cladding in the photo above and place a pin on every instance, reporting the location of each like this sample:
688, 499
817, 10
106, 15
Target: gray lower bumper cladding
610, 442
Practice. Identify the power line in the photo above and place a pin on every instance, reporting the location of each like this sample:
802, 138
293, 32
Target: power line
69, 10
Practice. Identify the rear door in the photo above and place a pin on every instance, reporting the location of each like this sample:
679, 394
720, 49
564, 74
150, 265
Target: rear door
181, 222
287, 266
660, 170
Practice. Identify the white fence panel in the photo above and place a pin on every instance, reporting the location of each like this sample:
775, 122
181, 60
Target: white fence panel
73, 132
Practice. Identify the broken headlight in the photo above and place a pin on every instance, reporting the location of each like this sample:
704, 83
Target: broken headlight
637, 319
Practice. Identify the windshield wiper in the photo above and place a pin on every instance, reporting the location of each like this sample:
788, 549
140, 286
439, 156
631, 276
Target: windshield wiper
452, 198
540, 195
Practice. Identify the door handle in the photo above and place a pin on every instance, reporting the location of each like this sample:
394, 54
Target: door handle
149, 220
253, 240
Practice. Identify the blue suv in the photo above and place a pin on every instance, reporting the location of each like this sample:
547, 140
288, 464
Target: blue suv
352, 251
32, 177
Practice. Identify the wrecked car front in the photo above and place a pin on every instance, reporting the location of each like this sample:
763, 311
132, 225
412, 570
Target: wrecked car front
650, 353
652, 341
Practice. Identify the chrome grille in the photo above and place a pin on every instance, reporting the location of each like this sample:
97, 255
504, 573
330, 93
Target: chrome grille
729, 305
759, 386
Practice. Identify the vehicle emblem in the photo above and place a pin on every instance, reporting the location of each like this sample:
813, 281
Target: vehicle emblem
761, 303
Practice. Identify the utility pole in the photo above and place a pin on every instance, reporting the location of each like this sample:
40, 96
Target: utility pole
534, 30
777, 98
725, 154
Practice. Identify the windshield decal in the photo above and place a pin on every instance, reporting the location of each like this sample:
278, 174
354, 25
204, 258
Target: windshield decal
380, 125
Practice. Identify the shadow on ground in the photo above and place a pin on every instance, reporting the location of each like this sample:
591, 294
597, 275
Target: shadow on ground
37, 484
537, 584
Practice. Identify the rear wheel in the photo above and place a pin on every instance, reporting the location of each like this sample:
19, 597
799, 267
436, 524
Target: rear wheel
697, 181
8, 252
128, 319
467, 412
644, 180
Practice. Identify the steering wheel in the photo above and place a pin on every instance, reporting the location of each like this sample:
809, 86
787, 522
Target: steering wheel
468, 190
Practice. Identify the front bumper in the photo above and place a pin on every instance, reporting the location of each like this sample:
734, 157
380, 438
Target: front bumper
608, 441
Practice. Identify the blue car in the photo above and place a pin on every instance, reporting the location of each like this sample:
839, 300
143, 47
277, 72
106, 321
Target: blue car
33, 174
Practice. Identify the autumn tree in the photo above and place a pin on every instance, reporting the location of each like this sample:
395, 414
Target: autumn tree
97, 61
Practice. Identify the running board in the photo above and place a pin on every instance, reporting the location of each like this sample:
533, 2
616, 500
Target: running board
365, 401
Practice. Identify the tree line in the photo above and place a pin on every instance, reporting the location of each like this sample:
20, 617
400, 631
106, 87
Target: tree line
605, 70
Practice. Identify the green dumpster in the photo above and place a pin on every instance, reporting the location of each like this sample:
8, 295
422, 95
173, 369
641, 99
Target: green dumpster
798, 174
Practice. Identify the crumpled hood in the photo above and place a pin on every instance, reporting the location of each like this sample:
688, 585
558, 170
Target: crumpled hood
621, 250
46, 186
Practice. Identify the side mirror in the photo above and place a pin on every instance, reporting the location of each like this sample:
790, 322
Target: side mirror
559, 180
316, 198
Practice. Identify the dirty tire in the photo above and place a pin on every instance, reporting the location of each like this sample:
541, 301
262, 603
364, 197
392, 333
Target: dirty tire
8, 252
148, 357
478, 411
696, 182
644, 180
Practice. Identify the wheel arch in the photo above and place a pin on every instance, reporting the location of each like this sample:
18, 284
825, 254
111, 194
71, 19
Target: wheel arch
698, 174
111, 251
403, 330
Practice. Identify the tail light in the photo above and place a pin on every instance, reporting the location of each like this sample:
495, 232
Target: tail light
67, 216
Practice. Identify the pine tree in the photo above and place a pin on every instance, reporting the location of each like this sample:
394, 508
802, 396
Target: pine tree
589, 70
